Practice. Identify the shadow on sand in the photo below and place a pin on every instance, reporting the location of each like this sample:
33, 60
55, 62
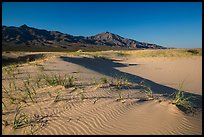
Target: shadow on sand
21, 59
107, 67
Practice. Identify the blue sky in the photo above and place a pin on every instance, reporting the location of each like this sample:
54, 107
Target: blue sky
170, 24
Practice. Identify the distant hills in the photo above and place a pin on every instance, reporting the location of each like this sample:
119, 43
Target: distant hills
32, 38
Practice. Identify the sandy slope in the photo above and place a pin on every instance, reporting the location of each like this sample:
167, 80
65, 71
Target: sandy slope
169, 72
100, 112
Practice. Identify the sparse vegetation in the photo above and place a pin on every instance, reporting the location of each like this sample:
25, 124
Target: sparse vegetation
120, 96
100, 56
193, 51
104, 80
146, 88
120, 82
7, 94
166, 53
26, 89
181, 101
143, 53
38, 80
121, 54
29, 91
58, 97
82, 94
20, 119
54, 80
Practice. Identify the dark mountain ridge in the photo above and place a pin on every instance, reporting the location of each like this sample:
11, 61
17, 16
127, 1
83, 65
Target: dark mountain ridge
25, 35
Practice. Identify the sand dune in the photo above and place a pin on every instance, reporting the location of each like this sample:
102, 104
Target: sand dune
108, 116
169, 72
100, 111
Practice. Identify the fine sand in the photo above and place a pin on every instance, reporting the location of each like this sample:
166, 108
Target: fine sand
169, 72
100, 111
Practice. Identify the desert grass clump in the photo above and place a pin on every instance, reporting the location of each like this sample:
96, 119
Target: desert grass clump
20, 119
54, 80
8, 95
145, 88
38, 81
120, 82
182, 102
18, 94
70, 82
29, 92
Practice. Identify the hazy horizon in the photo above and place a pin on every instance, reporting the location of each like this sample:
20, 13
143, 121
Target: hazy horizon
169, 24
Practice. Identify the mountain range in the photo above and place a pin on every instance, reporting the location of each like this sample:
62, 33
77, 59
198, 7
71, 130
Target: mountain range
29, 37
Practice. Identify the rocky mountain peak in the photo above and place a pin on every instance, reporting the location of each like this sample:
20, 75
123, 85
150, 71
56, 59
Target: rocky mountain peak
24, 26
105, 33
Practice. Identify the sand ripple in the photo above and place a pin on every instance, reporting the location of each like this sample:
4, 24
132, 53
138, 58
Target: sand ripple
108, 116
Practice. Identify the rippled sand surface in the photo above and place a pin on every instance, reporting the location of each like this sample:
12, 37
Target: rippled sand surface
100, 112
